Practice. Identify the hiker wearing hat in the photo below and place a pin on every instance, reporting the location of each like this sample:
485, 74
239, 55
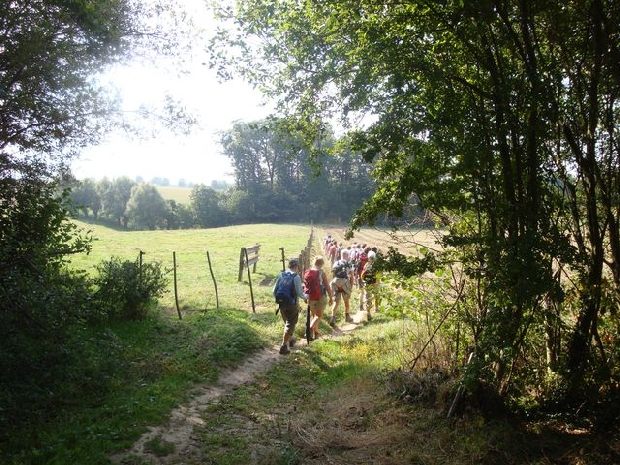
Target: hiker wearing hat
287, 292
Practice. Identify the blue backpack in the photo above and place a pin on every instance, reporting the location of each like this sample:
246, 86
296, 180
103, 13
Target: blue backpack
285, 290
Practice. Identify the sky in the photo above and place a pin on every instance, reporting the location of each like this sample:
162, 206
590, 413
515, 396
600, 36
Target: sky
195, 157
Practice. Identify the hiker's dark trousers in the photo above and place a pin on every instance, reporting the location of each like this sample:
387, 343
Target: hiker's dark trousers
290, 314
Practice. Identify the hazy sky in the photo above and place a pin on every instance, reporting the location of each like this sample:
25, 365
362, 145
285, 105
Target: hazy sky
195, 157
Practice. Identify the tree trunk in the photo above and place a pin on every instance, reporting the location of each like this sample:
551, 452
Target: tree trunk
579, 345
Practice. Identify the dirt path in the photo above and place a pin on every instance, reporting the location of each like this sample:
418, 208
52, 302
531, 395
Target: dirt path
177, 434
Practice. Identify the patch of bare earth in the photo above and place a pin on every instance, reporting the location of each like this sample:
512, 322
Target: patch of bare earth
178, 431
358, 424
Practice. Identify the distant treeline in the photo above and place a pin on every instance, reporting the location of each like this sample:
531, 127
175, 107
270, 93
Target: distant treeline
278, 178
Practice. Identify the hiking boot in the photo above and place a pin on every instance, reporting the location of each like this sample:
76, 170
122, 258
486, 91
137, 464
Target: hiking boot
284, 349
292, 341
348, 318
332, 322
369, 317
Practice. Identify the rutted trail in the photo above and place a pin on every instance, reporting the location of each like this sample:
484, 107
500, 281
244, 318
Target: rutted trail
179, 428
178, 431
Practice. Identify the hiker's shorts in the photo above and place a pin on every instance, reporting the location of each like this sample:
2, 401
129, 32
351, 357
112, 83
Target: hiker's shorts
290, 315
341, 288
318, 306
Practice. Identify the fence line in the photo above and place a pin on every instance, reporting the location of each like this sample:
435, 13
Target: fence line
304, 257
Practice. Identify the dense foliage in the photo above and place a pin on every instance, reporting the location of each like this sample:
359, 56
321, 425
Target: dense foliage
125, 290
502, 117
279, 176
48, 50
45, 306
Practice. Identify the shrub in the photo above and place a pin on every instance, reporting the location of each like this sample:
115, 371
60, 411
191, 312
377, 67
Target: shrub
126, 290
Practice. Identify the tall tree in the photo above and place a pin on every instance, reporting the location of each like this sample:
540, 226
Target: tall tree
205, 203
292, 179
502, 114
114, 199
48, 51
85, 196
146, 208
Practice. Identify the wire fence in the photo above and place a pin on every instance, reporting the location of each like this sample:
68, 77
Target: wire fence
214, 279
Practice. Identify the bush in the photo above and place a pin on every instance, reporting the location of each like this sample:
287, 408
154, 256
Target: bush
126, 290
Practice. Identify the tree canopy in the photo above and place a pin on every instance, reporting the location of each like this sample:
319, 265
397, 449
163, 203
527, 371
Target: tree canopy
49, 52
289, 179
501, 117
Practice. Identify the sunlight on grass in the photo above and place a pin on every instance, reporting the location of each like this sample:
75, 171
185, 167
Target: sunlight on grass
194, 280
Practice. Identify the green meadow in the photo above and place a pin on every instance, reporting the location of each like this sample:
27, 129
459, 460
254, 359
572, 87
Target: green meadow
128, 375
178, 194
334, 402
195, 285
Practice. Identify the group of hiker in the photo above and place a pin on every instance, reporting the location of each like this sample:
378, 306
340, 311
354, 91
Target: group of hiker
352, 266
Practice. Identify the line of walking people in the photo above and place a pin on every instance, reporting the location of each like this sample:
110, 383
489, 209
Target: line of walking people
352, 267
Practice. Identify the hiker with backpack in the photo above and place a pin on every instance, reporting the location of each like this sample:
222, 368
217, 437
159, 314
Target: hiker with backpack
333, 250
362, 258
316, 285
371, 285
341, 284
326, 243
287, 292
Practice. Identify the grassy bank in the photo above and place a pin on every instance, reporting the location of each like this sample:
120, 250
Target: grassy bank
131, 375
124, 376
335, 403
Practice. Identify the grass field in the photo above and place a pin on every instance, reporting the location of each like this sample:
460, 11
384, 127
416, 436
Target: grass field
178, 194
339, 402
330, 403
195, 286
406, 241
124, 376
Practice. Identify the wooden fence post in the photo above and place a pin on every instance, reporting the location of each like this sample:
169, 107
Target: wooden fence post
250, 280
140, 267
242, 257
283, 260
176, 294
217, 298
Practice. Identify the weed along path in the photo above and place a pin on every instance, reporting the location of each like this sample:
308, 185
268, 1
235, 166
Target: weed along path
175, 442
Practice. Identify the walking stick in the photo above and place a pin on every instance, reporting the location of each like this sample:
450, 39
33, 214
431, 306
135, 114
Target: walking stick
308, 332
